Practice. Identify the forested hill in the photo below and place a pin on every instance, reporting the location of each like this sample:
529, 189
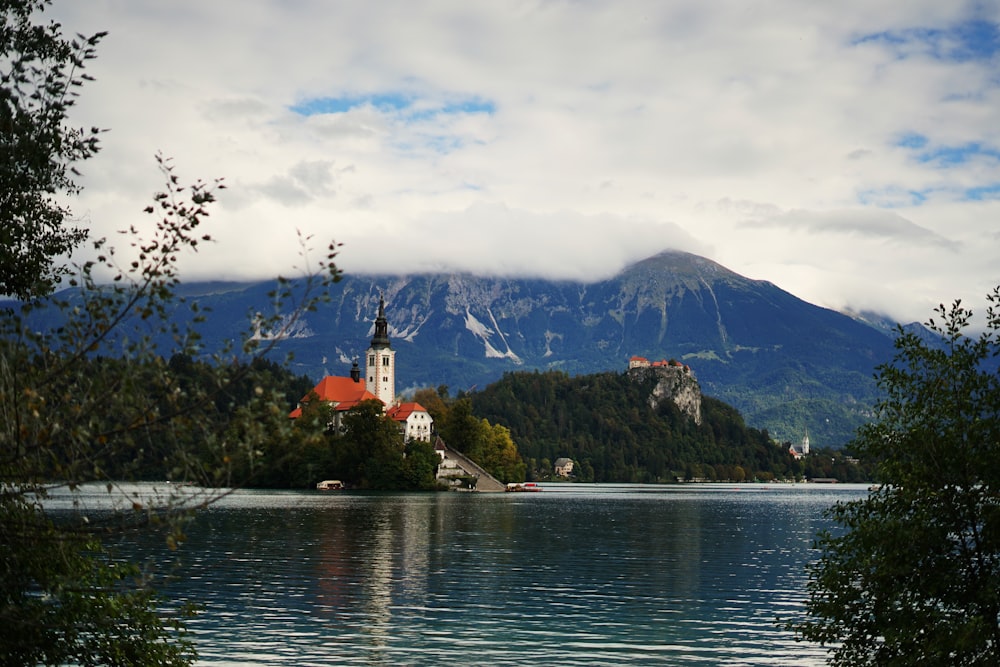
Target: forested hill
787, 365
608, 426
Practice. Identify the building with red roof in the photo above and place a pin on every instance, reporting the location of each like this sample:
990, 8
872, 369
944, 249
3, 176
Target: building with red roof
638, 362
344, 393
414, 420
340, 393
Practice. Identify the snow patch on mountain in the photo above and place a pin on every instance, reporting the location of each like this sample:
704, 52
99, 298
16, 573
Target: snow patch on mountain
288, 326
484, 333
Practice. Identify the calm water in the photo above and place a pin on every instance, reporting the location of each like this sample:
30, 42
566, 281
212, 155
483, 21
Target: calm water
575, 575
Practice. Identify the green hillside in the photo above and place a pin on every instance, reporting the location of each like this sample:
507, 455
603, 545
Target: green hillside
605, 423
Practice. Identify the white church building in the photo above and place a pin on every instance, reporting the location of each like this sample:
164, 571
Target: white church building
379, 381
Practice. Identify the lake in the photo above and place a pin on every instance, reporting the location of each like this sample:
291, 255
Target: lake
695, 574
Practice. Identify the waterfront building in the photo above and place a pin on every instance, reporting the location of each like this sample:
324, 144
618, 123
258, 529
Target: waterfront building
379, 382
563, 467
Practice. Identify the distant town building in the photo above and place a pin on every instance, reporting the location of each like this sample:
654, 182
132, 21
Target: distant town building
638, 362
643, 362
563, 467
802, 449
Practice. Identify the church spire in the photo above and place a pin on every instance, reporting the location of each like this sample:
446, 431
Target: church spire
380, 371
381, 338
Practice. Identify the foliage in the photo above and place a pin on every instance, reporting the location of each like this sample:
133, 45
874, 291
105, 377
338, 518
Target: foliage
489, 445
605, 424
914, 577
91, 611
370, 453
838, 464
420, 466
94, 400
40, 72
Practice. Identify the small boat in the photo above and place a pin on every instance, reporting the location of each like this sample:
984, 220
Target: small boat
330, 485
526, 486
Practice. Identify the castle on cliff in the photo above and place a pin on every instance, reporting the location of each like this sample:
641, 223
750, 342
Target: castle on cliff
675, 382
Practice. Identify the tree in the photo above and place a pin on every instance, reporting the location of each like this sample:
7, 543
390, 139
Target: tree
459, 428
914, 577
420, 466
370, 452
495, 451
92, 399
435, 402
40, 72
86, 394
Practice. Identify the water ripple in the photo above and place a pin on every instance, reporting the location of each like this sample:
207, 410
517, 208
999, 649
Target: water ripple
603, 578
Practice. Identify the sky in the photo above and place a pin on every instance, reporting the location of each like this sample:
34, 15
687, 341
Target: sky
848, 152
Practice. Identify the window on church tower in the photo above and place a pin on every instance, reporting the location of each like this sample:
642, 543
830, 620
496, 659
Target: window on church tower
371, 360
385, 361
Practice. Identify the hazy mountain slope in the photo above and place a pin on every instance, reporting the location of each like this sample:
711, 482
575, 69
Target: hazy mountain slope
785, 364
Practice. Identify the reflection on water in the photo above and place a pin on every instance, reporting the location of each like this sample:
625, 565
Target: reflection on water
577, 575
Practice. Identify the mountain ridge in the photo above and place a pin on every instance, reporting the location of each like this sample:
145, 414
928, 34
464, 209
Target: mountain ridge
787, 365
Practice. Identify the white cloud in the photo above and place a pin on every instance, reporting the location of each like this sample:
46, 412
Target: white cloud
565, 139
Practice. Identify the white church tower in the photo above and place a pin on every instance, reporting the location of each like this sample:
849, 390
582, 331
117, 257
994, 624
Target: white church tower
380, 369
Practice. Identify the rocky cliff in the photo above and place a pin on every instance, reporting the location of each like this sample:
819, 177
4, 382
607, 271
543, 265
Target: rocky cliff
673, 383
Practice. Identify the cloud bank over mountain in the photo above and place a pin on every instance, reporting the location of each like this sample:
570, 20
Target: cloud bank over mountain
848, 152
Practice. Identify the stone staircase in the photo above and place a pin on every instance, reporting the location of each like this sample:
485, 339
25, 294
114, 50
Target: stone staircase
455, 465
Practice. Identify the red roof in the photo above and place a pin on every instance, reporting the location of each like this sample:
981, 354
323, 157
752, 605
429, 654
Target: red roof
343, 392
403, 411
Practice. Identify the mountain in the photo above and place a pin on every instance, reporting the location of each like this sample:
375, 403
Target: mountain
787, 365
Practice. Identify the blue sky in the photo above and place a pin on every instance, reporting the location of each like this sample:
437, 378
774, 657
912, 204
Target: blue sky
962, 39
848, 152
392, 103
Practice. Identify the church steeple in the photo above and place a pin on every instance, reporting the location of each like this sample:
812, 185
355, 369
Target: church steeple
381, 338
380, 369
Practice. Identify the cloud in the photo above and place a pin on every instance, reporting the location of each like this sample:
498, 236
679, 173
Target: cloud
847, 152
493, 239
873, 223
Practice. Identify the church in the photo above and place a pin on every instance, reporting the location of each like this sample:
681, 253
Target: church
379, 382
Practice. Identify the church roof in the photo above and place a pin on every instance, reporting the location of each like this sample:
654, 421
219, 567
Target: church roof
403, 411
343, 392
